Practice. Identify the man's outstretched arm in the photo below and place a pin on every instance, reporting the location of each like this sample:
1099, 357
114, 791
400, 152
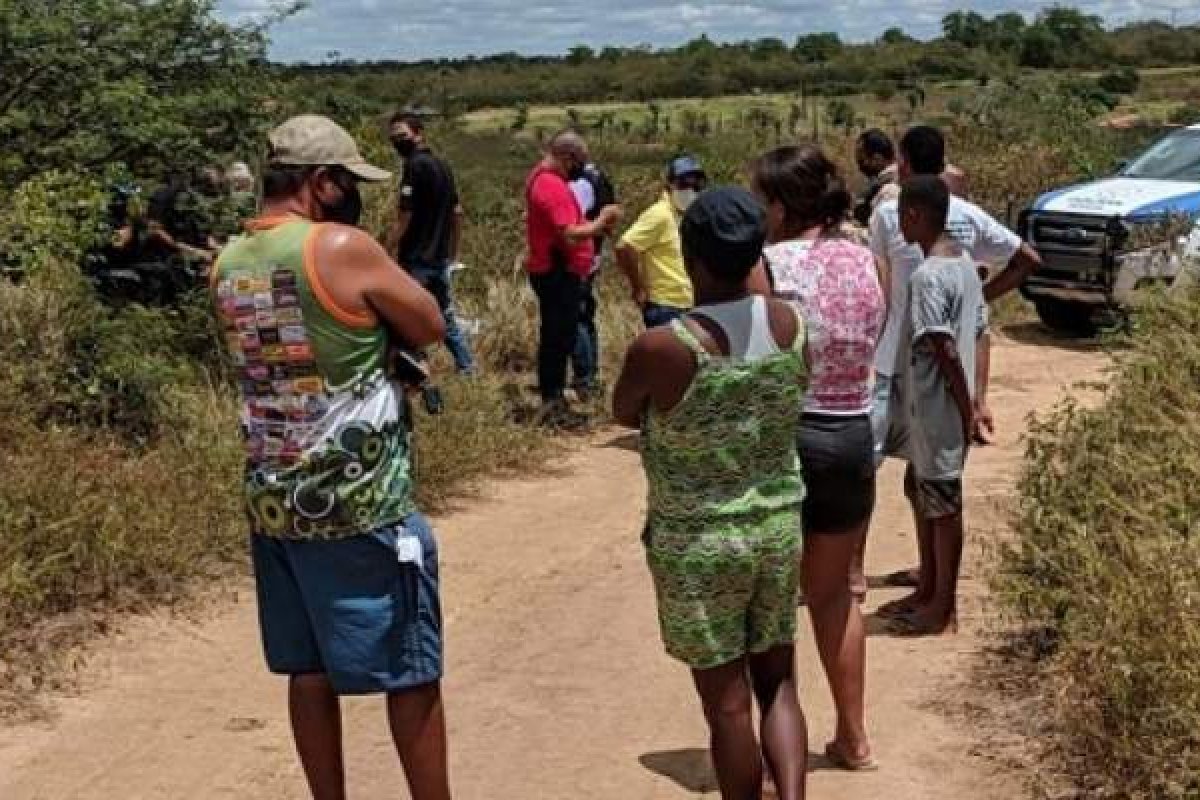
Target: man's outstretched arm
1024, 263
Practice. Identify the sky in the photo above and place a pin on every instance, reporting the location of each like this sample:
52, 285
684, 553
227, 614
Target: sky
409, 31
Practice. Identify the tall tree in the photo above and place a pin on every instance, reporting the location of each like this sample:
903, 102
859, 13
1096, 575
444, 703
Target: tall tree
967, 28
816, 47
895, 36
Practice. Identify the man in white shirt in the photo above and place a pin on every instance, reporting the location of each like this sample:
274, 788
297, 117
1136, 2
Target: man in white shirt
922, 151
593, 191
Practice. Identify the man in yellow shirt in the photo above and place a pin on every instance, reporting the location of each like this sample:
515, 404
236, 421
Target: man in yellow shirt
649, 253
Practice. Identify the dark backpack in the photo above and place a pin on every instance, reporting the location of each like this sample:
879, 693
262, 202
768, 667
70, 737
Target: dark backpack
602, 188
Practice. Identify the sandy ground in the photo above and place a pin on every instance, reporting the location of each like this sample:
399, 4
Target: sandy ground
557, 685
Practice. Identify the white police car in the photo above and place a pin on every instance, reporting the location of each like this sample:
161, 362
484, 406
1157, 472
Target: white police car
1102, 241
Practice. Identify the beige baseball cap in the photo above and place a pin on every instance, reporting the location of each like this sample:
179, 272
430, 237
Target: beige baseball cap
310, 140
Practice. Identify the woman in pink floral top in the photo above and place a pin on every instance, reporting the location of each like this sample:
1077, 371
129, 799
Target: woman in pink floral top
836, 284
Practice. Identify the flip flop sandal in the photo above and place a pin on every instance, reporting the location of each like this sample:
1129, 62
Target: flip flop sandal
905, 625
895, 608
905, 578
835, 756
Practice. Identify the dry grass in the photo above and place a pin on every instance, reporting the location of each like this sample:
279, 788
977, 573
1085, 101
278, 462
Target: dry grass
1103, 581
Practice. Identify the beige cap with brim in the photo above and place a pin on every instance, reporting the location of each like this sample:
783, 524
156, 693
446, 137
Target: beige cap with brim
311, 140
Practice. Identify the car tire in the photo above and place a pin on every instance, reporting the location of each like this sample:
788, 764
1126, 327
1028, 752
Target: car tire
1061, 316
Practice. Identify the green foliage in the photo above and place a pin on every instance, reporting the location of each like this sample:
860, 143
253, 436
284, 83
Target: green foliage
1155, 44
1120, 81
841, 115
1040, 48
1095, 98
968, 28
974, 48
1185, 115
1103, 577
1066, 37
57, 216
154, 85
894, 36
522, 117
814, 48
580, 54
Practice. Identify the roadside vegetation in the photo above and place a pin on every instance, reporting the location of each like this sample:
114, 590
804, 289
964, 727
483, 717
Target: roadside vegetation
1102, 580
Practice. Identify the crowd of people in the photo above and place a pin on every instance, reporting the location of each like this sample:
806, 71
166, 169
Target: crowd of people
162, 247
795, 336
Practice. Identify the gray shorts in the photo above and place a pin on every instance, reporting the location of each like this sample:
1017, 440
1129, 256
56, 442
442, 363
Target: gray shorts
934, 499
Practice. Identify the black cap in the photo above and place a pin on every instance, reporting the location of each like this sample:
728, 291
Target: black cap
725, 228
683, 165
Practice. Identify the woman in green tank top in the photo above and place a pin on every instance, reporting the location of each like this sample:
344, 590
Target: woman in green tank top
718, 397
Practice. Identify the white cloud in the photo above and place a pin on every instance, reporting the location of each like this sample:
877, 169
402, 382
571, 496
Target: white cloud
410, 30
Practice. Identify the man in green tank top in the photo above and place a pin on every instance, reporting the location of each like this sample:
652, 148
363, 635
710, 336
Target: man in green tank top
345, 566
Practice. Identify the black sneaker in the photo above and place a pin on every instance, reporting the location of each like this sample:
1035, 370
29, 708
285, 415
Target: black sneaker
557, 415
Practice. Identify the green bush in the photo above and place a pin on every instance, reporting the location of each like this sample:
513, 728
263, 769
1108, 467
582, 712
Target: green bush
1185, 115
153, 85
1120, 81
1104, 575
55, 217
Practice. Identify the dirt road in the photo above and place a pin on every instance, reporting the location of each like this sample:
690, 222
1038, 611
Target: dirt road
557, 687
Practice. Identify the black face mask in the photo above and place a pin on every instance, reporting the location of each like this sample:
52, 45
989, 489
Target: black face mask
404, 147
575, 172
348, 211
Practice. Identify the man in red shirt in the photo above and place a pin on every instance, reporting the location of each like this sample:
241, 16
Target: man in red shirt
559, 245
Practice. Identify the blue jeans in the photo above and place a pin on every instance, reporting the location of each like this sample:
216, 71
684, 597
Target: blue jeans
436, 280
585, 359
655, 316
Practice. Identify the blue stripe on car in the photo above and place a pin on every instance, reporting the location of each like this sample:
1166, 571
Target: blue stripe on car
1180, 204
1049, 197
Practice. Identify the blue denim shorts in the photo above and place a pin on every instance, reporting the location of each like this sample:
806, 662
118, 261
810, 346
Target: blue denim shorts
351, 608
655, 316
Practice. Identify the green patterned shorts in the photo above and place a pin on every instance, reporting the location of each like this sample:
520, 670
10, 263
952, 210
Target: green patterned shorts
728, 590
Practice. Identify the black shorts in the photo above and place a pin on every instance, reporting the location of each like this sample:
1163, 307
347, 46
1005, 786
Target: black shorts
838, 456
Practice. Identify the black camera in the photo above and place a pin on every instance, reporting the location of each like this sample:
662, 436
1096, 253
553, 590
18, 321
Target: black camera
409, 369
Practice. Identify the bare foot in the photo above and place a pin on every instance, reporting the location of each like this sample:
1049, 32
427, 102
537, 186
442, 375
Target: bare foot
925, 621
